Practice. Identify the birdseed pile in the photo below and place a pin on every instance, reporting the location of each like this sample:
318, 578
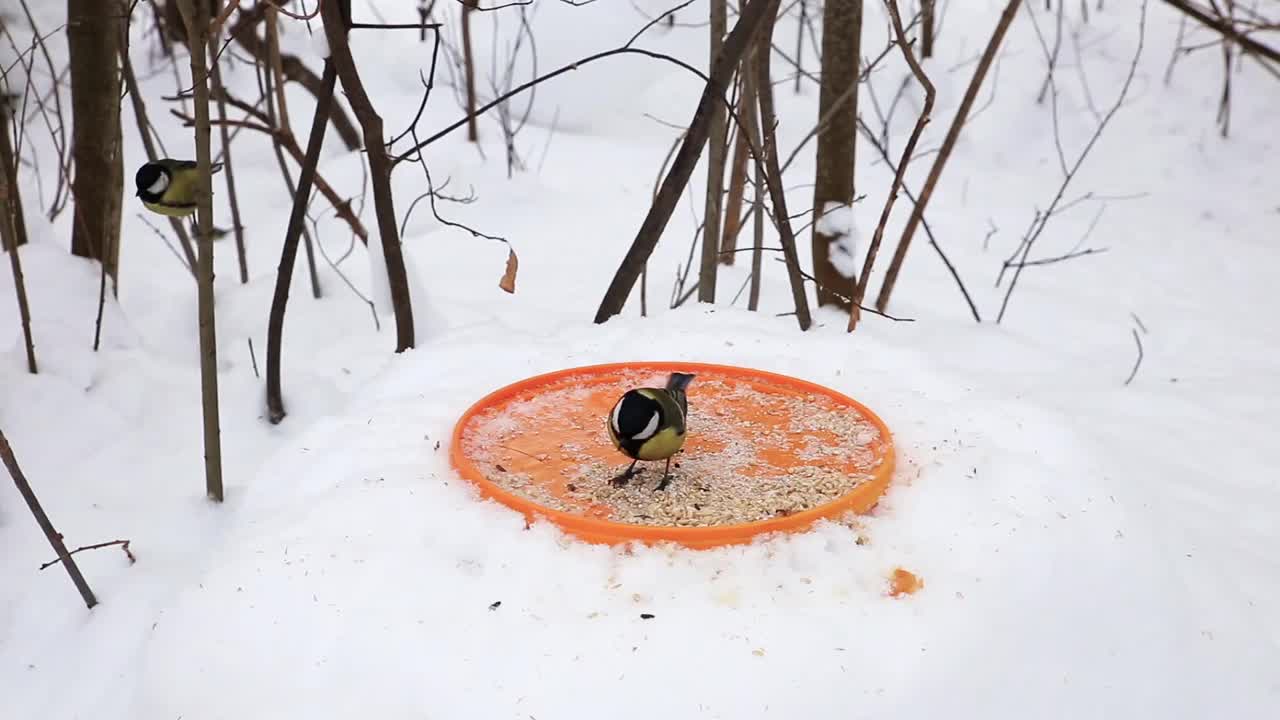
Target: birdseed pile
753, 451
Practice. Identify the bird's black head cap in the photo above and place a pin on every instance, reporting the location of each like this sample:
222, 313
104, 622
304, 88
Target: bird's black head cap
635, 412
146, 176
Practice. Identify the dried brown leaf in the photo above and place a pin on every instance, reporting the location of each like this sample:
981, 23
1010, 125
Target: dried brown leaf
508, 281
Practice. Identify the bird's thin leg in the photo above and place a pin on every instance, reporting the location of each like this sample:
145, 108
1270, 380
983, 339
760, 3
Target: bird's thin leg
666, 477
622, 478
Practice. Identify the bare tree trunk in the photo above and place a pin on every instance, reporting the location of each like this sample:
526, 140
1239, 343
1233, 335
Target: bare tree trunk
768, 124
53, 536
196, 13
804, 19
750, 19
948, 143
337, 18
469, 62
751, 120
10, 163
284, 274
10, 212
215, 75
94, 40
837, 141
737, 189
737, 172
715, 169
928, 8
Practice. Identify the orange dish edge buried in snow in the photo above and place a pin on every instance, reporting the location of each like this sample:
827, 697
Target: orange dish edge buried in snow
595, 529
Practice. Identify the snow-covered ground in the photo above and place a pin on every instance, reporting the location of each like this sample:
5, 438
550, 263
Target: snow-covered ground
1089, 548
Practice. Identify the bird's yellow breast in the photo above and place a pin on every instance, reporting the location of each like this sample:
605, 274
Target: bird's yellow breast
169, 210
665, 443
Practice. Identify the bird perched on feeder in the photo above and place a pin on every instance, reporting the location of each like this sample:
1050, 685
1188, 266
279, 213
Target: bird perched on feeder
649, 424
169, 186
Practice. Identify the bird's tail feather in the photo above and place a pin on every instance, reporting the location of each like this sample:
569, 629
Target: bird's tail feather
679, 381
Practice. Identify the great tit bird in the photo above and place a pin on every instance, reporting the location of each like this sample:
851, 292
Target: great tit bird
168, 186
649, 424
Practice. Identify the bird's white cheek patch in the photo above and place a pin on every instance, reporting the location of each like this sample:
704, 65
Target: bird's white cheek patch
649, 429
613, 419
159, 185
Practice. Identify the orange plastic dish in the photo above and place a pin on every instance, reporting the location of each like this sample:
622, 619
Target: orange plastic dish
541, 438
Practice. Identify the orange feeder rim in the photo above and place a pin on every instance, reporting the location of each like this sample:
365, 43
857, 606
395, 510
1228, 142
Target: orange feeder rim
860, 500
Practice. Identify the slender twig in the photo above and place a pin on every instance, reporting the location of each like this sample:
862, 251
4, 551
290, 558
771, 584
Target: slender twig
1057, 259
395, 26
245, 33
253, 358
469, 66
380, 165
1226, 28
626, 50
1084, 78
716, 142
102, 304
266, 83
12, 234
737, 189
373, 310
163, 238
124, 545
215, 78
1137, 363
768, 124
753, 15
1177, 50
289, 252
1043, 217
804, 11
60, 138
1224, 104
343, 207
751, 120
809, 278
860, 287
1053, 55
953, 134
52, 535
929, 11
870, 135
195, 11
1051, 82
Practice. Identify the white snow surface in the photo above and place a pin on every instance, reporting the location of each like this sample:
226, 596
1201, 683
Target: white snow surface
1089, 548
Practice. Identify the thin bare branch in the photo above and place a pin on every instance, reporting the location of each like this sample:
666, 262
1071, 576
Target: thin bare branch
953, 134
860, 287
1042, 219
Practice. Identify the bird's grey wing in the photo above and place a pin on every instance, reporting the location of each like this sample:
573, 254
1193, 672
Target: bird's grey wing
674, 409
